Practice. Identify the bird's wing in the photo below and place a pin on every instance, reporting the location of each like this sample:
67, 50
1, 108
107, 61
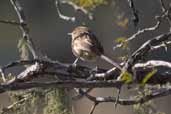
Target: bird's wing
95, 44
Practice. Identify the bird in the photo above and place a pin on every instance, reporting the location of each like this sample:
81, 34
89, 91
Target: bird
86, 46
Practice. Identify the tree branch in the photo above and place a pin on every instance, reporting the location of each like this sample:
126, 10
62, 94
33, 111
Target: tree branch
153, 63
67, 18
155, 94
24, 27
145, 48
57, 84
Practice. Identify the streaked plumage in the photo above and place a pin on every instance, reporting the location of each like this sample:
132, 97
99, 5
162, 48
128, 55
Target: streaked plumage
86, 46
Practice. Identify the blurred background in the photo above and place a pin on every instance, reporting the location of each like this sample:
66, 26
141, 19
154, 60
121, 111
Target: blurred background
111, 21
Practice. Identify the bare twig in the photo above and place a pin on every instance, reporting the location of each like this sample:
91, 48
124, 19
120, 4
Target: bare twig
153, 63
169, 15
78, 8
67, 18
24, 27
3, 75
167, 11
155, 94
163, 44
145, 48
139, 32
165, 14
134, 11
10, 22
93, 108
163, 7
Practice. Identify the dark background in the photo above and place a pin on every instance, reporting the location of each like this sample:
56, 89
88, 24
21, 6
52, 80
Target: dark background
49, 33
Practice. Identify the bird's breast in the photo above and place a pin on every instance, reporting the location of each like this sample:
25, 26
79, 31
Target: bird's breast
83, 50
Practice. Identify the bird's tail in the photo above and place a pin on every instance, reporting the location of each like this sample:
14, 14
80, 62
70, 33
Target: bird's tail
111, 61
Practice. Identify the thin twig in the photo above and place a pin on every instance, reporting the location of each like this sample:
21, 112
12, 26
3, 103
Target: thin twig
64, 17
78, 8
139, 32
134, 11
93, 108
155, 94
10, 22
145, 48
163, 44
167, 11
24, 27
163, 7
142, 31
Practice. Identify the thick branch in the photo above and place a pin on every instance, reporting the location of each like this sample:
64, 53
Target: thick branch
58, 84
66, 72
153, 63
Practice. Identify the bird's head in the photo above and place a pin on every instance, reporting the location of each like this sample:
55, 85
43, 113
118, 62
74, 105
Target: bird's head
78, 31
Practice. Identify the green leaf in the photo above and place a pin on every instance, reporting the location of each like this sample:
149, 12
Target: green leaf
148, 76
126, 77
123, 23
123, 41
89, 4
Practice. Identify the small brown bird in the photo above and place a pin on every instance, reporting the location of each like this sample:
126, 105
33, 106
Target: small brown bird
85, 46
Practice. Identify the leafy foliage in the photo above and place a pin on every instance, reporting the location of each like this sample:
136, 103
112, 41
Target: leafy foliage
39, 101
57, 102
32, 102
89, 4
147, 107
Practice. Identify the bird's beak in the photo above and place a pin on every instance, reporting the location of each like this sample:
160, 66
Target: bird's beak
69, 34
